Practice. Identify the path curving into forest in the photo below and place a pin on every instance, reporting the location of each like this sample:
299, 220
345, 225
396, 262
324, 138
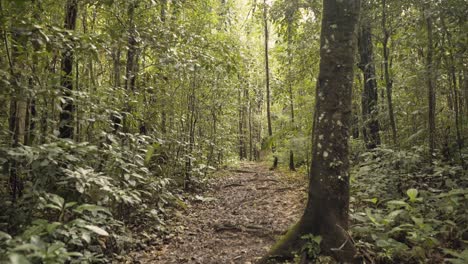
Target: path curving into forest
236, 221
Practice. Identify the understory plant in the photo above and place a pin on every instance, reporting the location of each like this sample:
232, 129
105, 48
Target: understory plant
406, 209
77, 199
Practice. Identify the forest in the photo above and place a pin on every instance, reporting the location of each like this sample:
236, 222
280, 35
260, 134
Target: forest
233, 131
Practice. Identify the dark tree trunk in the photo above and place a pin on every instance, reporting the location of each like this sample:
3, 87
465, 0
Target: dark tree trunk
290, 90
267, 80
66, 115
241, 127
326, 213
430, 85
132, 62
18, 106
386, 66
371, 127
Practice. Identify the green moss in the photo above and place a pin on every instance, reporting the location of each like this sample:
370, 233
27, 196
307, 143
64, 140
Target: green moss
284, 247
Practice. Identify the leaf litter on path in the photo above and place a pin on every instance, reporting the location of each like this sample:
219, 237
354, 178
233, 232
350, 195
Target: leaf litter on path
236, 221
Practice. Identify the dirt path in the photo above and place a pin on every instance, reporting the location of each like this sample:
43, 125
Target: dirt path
236, 221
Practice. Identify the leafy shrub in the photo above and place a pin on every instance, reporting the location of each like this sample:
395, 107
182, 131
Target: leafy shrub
74, 196
399, 224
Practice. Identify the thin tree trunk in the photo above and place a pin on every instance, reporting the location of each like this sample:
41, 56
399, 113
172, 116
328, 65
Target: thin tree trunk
131, 71
267, 80
430, 84
241, 128
251, 147
66, 127
291, 95
371, 126
388, 79
18, 107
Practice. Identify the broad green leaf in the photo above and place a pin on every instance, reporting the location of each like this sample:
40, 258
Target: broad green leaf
399, 203
97, 230
18, 259
4, 236
373, 200
52, 227
57, 200
372, 217
412, 194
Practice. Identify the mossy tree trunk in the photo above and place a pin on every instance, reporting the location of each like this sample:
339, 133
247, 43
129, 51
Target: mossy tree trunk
326, 213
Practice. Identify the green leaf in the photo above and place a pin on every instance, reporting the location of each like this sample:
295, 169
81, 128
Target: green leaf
412, 194
372, 217
51, 227
4, 236
97, 230
373, 200
150, 152
399, 203
86, 237
18, 259
91, 208
70, 204
57, 200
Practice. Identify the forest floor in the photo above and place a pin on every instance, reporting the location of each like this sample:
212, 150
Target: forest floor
236, 220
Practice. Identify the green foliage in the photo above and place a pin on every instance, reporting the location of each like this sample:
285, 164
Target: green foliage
100, 186
396, 224
311, 246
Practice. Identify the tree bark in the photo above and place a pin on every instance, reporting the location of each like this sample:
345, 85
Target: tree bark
290, 90
326, 213
430, 83
369, 93
132, 61
388, 79
267, 80
66, 128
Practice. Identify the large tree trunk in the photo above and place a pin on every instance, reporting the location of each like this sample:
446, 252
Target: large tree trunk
66, 115
326, 213
369, 93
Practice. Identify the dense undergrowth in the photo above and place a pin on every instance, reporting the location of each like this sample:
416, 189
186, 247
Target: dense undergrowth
84, 203
407, 209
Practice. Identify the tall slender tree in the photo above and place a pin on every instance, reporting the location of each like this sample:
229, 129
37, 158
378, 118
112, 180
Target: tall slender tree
369, 93
267, 81
430, 80
386, 66
66, 115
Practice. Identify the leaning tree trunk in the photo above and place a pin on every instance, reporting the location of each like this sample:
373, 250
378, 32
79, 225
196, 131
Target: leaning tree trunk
369, 93
66, 115
326, 213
